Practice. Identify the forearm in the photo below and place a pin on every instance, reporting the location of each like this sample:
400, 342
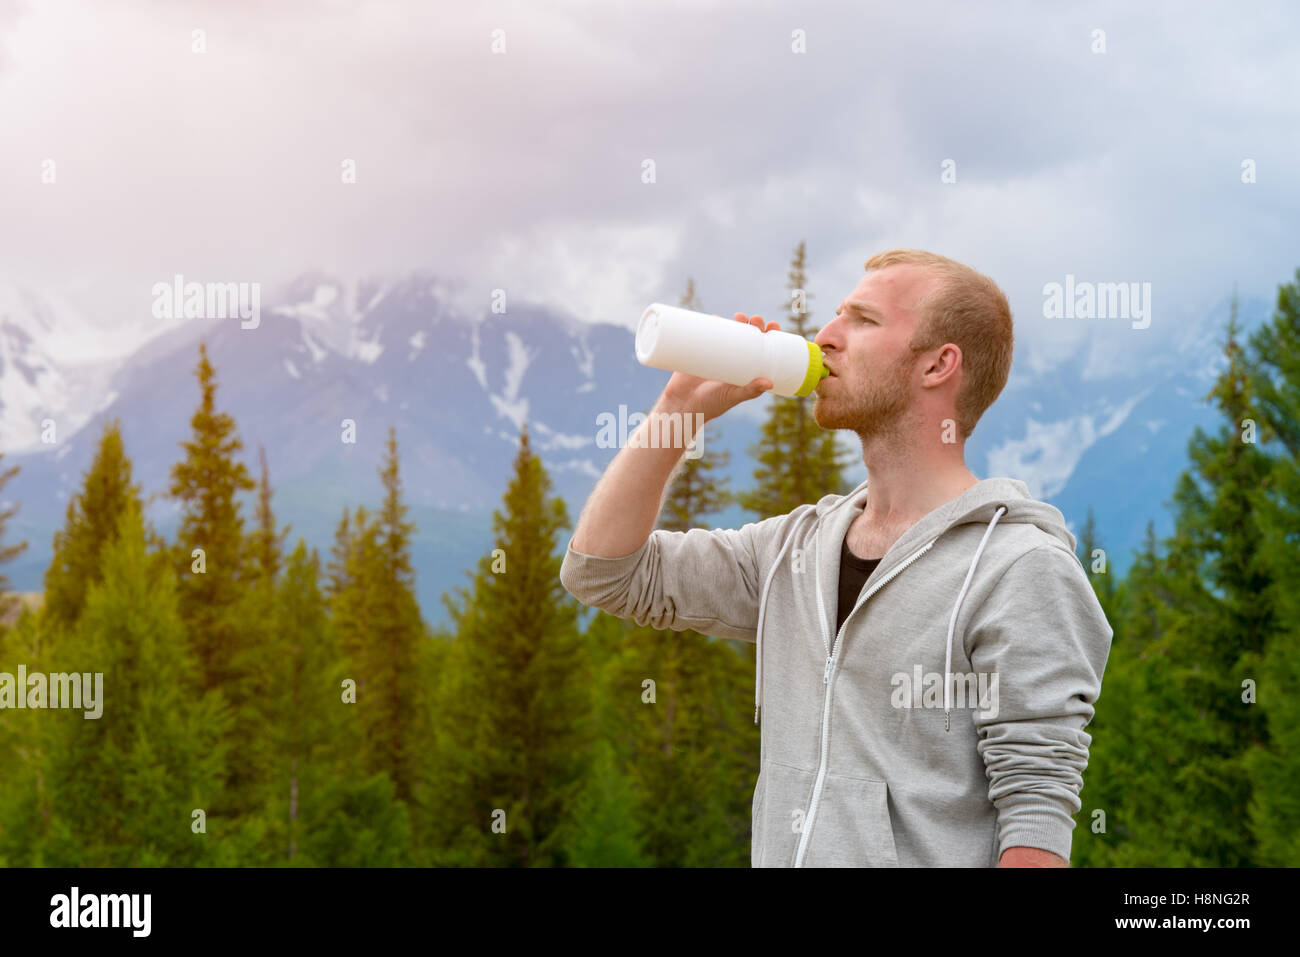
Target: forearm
1031, 857
624, 506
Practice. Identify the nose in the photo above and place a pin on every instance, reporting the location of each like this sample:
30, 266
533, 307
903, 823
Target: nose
828, 337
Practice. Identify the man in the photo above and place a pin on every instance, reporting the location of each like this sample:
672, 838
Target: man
929, 647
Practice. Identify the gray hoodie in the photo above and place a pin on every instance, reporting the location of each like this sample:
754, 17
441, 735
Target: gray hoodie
871, 756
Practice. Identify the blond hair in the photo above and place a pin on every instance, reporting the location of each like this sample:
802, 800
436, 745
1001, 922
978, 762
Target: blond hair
968, 309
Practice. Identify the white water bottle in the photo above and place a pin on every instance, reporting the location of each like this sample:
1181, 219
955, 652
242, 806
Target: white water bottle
680, 340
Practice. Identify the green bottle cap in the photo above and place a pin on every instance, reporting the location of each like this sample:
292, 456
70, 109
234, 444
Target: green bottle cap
816, 370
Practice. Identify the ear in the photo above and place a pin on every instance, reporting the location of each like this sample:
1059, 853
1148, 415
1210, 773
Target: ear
944, 364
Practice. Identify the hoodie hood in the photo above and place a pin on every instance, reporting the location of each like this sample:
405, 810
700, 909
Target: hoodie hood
976, 504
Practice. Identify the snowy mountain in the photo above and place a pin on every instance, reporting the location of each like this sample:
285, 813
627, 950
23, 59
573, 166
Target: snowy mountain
55, 364
457, 388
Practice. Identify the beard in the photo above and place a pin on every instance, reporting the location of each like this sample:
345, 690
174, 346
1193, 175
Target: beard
875, 407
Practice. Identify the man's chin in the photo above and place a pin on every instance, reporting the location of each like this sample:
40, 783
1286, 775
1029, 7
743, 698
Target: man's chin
826, 416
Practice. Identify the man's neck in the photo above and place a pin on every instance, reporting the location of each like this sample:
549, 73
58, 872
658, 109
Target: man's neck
904, 485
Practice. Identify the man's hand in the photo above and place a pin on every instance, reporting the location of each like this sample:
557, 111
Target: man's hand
1031, 857
688, 393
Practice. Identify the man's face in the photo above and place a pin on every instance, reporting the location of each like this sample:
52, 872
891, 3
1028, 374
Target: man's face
866, 348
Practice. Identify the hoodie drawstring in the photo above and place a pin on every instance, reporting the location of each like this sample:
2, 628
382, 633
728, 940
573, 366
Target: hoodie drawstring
762, 608
961, 595
952, 624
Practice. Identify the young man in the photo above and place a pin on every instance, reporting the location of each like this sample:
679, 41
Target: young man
929, 647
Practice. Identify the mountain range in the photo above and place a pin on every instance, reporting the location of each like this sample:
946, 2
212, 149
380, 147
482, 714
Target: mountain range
1084, 433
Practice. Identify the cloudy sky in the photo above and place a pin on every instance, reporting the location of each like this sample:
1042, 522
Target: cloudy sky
502, 145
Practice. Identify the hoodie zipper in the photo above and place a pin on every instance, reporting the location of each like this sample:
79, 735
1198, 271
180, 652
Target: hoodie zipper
831, 658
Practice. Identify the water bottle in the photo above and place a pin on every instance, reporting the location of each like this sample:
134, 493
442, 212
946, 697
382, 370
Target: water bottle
681, 340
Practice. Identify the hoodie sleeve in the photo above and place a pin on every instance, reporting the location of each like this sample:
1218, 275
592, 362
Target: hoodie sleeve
706, 580
1042, 632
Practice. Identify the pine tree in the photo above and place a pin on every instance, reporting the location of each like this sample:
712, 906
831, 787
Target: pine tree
125, 785
798, 461
25, 740
607, 832
381, 632
1145, 599
267, 541
397, 633
1227, 619
258, 662
7, 552
91, 523
1097, 565
337, 568
222, 608
1176, 783
311, 738
1274, 367
24, 806
207, 484
513, 743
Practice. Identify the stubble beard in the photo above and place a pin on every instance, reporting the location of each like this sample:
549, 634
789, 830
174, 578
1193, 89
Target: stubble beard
875, 409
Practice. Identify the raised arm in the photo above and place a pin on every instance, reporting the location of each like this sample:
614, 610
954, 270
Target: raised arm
622, 510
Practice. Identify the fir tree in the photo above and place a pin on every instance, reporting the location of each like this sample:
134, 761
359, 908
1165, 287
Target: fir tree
1097, 565
397, 633
308, 797
512, 745
1176, 786
7, 552
207, 484
1274, 369
373, 605
125, 785
798, 461
267, 540
25, 740
91, 524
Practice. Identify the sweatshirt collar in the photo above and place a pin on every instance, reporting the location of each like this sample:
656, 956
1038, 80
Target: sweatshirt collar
978, 504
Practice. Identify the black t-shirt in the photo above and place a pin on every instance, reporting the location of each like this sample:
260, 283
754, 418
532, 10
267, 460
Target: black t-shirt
854, 573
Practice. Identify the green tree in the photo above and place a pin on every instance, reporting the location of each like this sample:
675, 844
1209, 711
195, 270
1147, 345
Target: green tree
1274, 368
512, 744
207, 484
1174, 729
90, 526
381, 632
125, 786
399, 631
267, 540
220, 604
798, 461
7, 552
309, 800
24, 745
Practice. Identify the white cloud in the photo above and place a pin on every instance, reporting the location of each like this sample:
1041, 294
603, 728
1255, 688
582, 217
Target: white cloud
1049, 453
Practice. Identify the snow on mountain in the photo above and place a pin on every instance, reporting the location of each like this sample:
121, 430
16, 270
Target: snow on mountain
457, 388
1049, 452
55, 367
